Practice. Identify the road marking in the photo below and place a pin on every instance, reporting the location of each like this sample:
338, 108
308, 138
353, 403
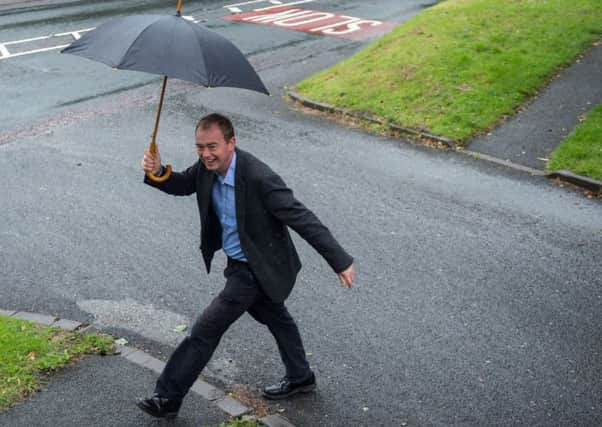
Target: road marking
314, 22
75, 34
279, 14
292, 3
29, 52
193, 19
234, 8
5, 53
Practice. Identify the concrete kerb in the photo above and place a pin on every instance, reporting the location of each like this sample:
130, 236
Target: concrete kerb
567, 176
501, 162
370, 118
221, 399
582, 181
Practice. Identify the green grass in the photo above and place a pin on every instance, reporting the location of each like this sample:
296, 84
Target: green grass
581, 151
459, 67
28, 351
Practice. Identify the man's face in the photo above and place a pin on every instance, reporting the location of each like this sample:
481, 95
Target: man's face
213, 150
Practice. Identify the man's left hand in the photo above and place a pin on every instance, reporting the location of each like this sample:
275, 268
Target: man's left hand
346, 276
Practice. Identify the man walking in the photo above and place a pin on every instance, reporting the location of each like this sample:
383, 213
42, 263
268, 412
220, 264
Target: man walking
245, 209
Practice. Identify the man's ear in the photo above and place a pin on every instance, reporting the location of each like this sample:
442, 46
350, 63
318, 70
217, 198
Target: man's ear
233, 141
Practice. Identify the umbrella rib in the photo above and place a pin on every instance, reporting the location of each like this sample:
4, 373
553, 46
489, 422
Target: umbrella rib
202, 57
133, 43
173, 34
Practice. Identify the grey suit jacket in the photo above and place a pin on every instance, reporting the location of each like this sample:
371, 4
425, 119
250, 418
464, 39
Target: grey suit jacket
265, 206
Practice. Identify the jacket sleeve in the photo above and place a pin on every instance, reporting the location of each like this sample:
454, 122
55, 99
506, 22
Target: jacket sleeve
280, 202
179, 183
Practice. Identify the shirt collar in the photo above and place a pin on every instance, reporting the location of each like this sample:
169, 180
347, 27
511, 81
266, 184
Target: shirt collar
229, 178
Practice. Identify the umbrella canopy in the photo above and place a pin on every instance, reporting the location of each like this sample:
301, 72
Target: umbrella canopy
170, 46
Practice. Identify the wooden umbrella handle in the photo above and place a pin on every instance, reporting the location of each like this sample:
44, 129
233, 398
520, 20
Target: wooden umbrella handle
152, 148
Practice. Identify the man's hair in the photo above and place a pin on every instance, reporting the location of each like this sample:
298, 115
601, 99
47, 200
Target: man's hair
224, 124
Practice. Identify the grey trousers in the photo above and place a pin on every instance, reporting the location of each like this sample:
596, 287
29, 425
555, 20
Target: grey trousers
241, 293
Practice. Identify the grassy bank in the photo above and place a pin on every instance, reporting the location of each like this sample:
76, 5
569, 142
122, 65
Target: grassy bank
29, 351
581, 151
459, 67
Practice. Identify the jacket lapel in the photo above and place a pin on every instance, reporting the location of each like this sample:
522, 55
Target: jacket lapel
204, 201
205, 194
239, 190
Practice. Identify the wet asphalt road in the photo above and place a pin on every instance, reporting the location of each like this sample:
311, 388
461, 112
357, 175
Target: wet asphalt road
478, 293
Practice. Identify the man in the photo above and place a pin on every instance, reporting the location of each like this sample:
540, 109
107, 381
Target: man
245, 209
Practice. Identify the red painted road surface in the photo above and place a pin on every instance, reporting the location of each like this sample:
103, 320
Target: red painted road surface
315, 22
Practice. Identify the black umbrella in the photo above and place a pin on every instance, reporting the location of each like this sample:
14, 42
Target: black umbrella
170, 46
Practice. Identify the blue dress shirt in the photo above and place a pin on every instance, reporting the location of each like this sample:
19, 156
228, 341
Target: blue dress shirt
224, 204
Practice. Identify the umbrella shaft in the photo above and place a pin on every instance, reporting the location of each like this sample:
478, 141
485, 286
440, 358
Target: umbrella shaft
179, 6
153, 146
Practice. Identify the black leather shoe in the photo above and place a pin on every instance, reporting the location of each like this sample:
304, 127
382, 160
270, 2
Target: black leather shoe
160, 407
286, 388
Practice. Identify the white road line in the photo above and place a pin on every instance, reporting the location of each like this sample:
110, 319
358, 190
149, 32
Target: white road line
29, 52
5, 53
234, 8
284, 4
228, 6
76, 34
33, 39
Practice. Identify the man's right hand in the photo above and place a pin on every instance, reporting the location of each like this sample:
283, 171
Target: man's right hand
151, 163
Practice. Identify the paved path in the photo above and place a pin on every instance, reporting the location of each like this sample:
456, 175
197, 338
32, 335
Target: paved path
97, 391
530, 137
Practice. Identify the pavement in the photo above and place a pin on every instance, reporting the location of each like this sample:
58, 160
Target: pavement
99, 390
